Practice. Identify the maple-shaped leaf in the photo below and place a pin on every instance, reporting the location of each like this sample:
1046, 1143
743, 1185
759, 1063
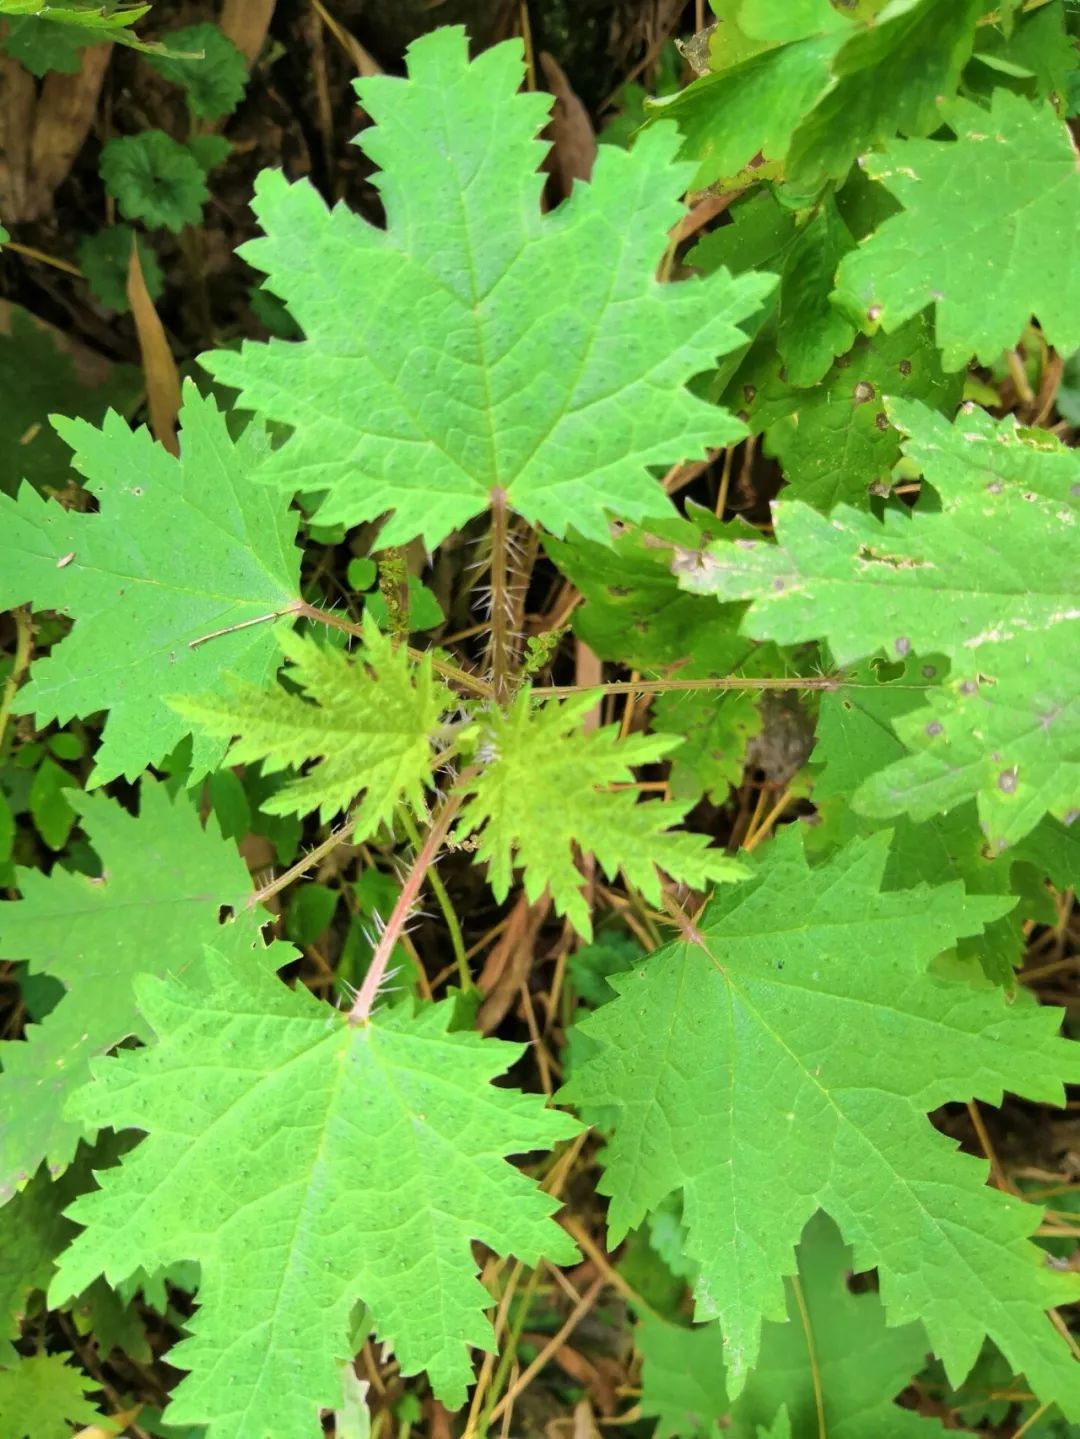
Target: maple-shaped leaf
308, 1165
834, 440
41, 1397
164, 879
367, 719
547, 786
888, 76
801, 1016
1012, 188
986, 582
177, 550
832, 1363
476, 346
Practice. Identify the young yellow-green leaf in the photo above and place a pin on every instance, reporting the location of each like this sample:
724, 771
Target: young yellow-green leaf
801, 1018
990, 581
475, 344
832, 1348
546, 787
307, 1165
367, 719
834, 440
42, 1397
155, 905
176, 551
888, 77
980, 233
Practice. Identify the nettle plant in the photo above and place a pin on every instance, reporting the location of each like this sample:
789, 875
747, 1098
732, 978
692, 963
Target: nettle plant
481, 372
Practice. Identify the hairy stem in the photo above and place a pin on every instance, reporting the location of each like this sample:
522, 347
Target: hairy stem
453, 924
728, 682
410, 890
302, 865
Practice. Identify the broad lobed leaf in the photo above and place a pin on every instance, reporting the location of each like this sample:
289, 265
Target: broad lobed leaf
980, 233
989, 581
475, 344
799, 1014
155, 905
308, 1165
177, 551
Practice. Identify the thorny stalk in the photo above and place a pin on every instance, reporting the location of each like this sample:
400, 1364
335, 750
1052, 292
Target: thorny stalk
302, 865
365, 998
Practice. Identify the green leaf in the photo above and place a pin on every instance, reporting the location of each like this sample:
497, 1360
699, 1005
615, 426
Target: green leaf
177, 551
835, 441
312, 1165
153, 178
207, 66
728, 119
101, 21
477, 345
33, 1231
1012, 189
545, 787
636, 614
833, 1347
1039, 48
311, 908
38, 377
804, 1011
856, 739
41, 46
986, 582
888, 77
209, 150
104, 259
810, 329
156, 903
43, 1396
367, 721
49, 809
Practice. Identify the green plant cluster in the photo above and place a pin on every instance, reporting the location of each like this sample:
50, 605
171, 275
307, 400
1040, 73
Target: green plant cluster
757, 1019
